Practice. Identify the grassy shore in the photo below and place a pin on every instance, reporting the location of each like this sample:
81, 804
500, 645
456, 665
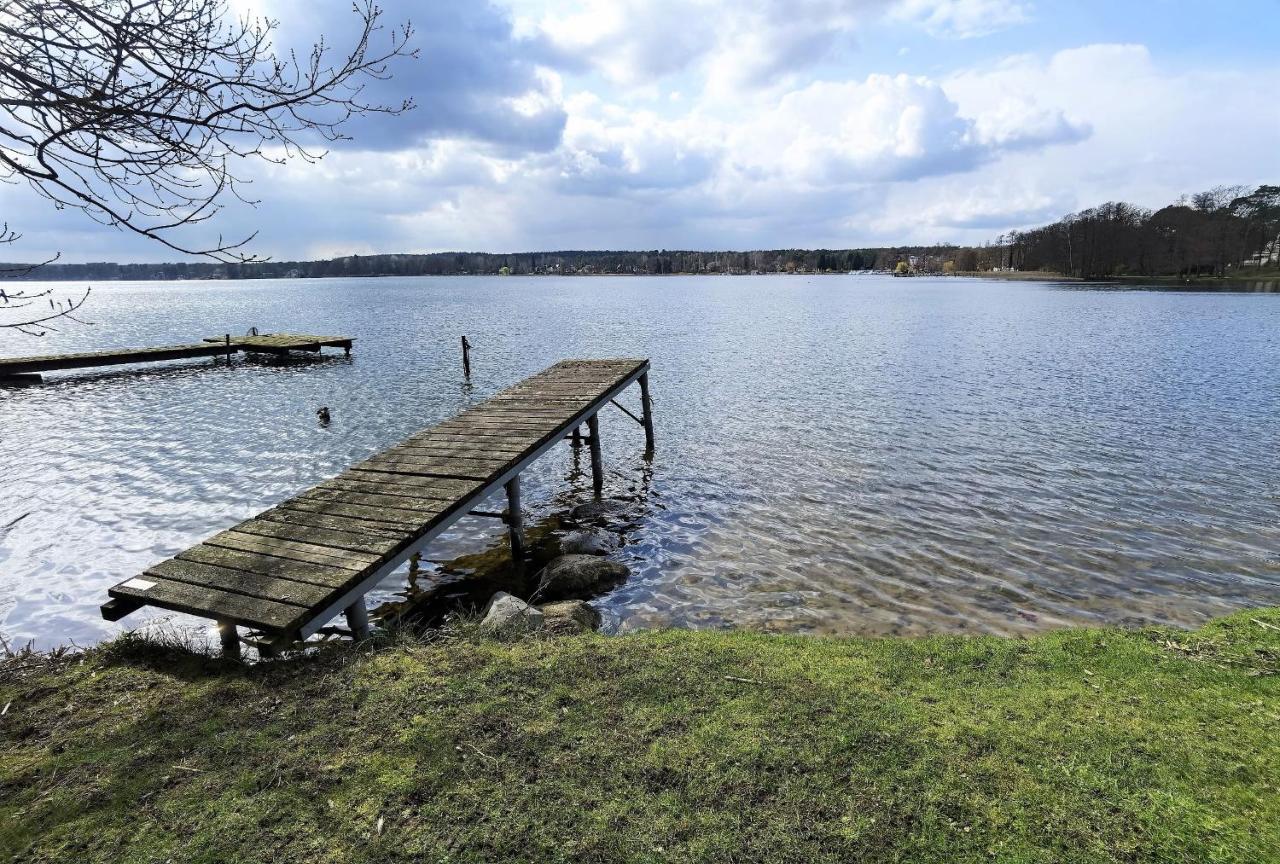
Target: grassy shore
1086, 745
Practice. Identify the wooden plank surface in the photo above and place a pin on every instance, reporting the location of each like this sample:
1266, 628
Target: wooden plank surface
277, 570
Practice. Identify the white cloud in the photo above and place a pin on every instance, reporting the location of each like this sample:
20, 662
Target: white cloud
962, 19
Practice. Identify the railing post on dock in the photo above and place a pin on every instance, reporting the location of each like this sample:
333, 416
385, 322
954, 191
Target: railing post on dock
466, 358
230, 639
597, 461
358, 620
515, 519
646, 405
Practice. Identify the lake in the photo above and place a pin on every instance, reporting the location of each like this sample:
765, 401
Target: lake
836, 454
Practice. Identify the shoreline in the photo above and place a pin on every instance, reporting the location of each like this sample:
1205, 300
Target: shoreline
676, 745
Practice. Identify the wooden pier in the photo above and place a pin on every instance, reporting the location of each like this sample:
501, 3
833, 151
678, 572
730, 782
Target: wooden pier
289, 570
28, 369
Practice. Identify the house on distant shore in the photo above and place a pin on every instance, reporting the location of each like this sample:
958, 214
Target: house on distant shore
1269, 254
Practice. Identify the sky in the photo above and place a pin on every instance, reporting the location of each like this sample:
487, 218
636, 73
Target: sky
744, 124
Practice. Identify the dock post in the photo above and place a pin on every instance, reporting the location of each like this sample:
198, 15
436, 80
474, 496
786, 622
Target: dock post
230, 639
597, 461
515, 519
358, 620
646, 405
228, 338
576, 438
466, 358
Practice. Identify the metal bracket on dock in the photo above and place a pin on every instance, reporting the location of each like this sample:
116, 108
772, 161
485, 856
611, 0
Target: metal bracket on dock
623, 409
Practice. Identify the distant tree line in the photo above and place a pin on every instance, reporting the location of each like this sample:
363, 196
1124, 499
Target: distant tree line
1223, 231
656, 262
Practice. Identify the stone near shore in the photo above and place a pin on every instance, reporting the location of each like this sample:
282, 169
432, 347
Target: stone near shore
570, 617
578, 577
593, 510
506, 614
588, 543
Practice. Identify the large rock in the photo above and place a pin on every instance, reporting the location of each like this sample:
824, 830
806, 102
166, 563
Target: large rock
593, 510
588, 543
578, 577
570, 617
506, 615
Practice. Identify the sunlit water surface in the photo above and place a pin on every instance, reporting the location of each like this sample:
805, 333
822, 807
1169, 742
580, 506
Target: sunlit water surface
856, 455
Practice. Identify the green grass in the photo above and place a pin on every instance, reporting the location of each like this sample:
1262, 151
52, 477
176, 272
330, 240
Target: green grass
1084, 745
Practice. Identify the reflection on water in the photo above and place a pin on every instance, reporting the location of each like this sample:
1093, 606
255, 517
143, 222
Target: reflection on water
835, 454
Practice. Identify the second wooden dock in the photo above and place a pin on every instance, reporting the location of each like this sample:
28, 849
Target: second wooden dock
28, 369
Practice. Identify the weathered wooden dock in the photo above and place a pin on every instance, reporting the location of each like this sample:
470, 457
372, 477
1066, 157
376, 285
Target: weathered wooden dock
289, 570
28, 369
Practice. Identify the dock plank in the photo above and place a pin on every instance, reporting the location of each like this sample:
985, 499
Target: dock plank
267, 565
338, 539
214, 603
294, 550
240, 582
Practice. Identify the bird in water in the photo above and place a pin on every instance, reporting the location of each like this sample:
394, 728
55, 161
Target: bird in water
323, 415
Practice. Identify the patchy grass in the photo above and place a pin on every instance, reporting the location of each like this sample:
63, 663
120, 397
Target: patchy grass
1094, 745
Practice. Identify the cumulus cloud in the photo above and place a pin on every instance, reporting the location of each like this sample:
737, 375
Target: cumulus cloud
737, 44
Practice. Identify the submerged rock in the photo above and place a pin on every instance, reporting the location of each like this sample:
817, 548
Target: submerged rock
570, 617
594, 510
588, 543
506, 614
579, 577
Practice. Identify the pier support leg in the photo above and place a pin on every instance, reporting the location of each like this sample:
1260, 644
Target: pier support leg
646, 405
358, 620
230, 639
597, 461
576, 438
515, 519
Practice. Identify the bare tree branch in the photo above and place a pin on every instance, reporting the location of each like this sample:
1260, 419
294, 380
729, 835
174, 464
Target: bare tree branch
137, 112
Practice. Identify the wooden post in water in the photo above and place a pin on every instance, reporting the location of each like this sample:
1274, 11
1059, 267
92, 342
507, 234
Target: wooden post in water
466, 358
576, 438
597, 461
515, 519
646, 405
230, 639
228, 338
358, 620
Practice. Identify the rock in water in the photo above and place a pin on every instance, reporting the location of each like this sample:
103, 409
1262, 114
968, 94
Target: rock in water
570, 617
588, 543
594, 510
507, 615
577, 577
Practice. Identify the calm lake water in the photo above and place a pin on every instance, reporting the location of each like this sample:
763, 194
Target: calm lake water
857, 455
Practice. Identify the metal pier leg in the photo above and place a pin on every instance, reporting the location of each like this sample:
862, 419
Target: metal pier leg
647, 407
358, 620
576, 439
597, 461
515, 519
230, 639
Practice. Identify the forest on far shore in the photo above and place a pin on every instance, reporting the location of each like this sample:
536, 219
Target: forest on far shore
1222, 232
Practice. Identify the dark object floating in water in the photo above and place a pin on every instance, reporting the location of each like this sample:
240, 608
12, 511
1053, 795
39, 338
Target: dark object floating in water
323, 415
